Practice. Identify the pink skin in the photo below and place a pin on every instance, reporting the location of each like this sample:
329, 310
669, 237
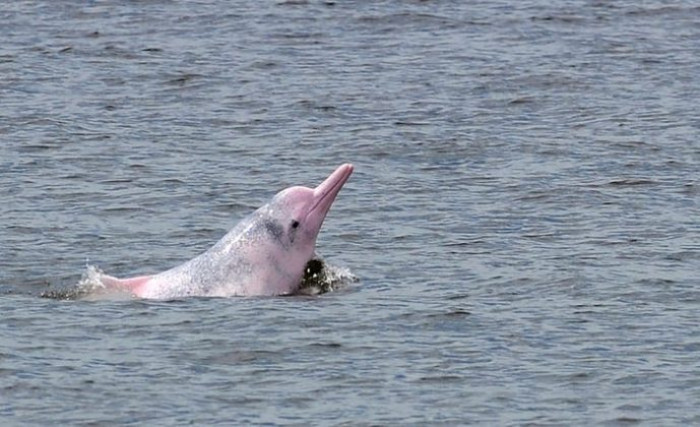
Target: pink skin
265, 254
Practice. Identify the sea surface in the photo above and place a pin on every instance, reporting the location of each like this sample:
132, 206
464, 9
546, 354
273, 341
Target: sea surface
523, 219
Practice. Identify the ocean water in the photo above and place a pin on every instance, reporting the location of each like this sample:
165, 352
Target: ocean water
523, 216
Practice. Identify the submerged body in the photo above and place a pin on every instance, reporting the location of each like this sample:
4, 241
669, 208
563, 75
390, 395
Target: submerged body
264, 254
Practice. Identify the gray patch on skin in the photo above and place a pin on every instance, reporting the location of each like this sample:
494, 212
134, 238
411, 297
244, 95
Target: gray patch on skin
274, 229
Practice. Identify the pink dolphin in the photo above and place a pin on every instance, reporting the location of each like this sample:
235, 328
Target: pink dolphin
265, 254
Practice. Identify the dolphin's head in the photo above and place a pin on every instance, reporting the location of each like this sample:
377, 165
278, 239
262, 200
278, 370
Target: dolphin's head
292, 221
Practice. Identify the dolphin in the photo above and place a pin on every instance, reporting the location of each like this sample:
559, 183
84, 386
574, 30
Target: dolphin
265, 254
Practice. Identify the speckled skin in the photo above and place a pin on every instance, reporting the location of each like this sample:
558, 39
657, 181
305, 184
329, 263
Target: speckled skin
264, 254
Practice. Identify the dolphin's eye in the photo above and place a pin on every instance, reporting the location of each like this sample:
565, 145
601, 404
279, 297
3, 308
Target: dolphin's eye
295, 224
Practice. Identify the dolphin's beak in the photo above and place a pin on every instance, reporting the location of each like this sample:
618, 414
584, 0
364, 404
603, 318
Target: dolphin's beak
325, 193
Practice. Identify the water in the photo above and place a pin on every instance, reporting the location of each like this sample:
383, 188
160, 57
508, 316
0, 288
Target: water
523, 217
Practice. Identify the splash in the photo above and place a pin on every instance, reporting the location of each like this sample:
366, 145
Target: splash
89, 287
321, 277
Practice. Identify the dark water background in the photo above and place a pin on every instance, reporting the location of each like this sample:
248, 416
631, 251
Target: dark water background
523, 217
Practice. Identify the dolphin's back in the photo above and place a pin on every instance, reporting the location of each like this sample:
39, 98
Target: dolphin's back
225, 269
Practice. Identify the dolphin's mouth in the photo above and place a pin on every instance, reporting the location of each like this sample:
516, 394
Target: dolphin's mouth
327, 191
